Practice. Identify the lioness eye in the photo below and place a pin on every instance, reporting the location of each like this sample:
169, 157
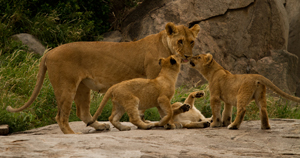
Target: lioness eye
192, 42
199, 57
180, 41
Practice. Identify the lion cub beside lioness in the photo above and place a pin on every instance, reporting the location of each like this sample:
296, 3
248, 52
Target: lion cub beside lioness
235, 90
140, 94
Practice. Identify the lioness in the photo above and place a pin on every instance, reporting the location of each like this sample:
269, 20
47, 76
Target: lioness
140, 94
235, 90
188, 115
75, 68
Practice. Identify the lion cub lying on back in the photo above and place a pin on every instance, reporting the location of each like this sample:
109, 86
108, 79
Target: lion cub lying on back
139, 94
235, 90
188, 115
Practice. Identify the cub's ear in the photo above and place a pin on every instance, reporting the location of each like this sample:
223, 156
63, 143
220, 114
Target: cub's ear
159, 61
171, 29
195, 30
172, 61
208, 59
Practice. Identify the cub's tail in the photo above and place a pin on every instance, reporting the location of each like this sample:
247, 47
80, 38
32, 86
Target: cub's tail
269, 84
105, 99
37, 88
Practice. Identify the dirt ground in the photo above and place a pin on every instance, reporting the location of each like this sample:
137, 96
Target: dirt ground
283, 140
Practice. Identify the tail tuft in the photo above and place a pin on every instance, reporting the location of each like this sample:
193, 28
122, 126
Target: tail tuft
9, 108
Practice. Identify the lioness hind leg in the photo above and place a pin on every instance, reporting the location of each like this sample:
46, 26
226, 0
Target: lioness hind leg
64, 104
116, 114
260, 100
82, 101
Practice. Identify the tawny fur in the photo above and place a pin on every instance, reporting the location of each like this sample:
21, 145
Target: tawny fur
235, 90
187, 115
140, 94
76, 68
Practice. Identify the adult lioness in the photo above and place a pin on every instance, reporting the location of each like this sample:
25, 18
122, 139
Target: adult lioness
77, 67
235, 90
188, 115
139, 94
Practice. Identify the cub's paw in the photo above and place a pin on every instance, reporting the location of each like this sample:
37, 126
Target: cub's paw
125, 128
218, 123
199, 94
206, 124
233, 127
185, 107
169, 126
102, 127
178, 125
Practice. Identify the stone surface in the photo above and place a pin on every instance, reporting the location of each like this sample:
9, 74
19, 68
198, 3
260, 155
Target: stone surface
4, 129
236, 32
33, 44
283, 140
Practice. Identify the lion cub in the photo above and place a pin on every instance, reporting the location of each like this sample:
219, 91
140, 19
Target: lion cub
188, 115
139, 94
235, 90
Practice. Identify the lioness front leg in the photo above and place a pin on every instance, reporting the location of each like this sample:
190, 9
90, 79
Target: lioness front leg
215, 104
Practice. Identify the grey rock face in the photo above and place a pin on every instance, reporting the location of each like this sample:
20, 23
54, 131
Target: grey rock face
33, 43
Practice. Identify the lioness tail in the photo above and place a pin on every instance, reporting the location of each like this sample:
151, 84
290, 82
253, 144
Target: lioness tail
37, 88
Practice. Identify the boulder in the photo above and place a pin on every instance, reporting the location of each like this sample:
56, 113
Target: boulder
113, 36
293, 11
236, 32
34, 45
280, 67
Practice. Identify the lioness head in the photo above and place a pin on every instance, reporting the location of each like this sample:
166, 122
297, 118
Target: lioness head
173, 62
201, 61
181, 39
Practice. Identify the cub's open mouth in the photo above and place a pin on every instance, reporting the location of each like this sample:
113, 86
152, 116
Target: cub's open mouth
192, 63
184, 60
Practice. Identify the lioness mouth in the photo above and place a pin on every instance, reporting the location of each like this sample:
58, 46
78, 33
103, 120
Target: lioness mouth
192, 63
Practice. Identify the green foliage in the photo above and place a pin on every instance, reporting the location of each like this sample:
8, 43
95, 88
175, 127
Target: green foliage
52, 21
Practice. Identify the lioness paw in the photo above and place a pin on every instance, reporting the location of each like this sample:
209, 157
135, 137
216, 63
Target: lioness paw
185, 107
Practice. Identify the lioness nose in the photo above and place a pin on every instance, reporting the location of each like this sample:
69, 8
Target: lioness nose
186, 56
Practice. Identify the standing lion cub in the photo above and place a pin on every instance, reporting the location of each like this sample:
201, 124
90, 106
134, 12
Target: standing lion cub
235, 90
141, 94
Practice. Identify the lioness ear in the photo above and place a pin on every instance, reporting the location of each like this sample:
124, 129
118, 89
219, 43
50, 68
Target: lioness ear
195, 30
208, 59
172, 61
171, 29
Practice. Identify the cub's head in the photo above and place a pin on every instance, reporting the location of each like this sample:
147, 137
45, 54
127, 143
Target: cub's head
172, 62
181, 39
201, 62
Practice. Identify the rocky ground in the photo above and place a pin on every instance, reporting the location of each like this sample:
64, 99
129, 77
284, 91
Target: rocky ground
283, 140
